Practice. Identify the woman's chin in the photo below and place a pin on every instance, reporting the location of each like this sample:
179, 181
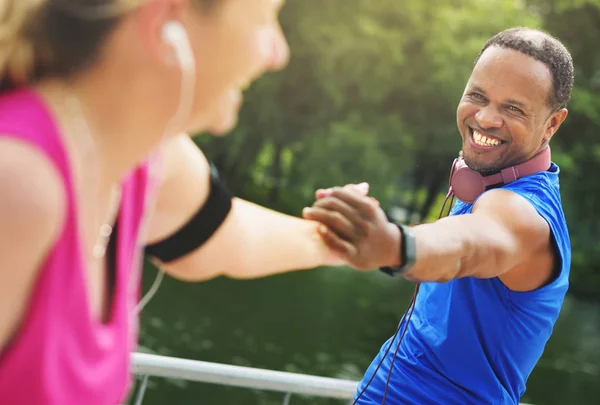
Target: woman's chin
223, 127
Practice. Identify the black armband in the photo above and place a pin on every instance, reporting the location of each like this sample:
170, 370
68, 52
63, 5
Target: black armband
199, 228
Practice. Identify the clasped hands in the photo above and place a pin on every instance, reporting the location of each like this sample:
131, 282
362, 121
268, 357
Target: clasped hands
355, 227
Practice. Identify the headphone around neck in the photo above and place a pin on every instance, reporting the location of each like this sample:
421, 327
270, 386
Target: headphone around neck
467, 184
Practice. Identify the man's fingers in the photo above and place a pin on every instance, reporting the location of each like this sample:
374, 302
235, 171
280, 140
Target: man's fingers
361, 189
322, 193
344, 248
348, 197
374, 201
333, 220
365, 207
359, 225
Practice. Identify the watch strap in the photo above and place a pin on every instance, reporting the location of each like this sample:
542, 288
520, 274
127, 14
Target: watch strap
408, 252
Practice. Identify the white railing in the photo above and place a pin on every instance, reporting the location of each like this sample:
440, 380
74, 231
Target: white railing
151, 365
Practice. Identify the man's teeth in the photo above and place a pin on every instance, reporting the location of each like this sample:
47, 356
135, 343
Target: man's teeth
482, 140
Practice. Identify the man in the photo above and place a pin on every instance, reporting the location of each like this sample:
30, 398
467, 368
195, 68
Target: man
495, 272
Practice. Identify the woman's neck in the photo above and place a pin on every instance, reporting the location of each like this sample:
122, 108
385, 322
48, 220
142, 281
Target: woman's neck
123, 124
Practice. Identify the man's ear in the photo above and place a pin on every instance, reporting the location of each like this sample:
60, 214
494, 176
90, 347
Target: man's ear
554, 122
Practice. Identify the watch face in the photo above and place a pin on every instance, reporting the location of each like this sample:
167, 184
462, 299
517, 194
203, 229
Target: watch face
409, 248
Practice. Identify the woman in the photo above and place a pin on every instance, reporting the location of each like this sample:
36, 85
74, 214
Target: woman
92, 96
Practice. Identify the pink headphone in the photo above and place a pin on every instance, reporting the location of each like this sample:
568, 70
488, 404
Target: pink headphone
467, 184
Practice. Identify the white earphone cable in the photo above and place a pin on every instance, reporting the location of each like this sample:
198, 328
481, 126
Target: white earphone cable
187, 66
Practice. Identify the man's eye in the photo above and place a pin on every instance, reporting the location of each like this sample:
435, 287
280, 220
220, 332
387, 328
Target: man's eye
512, 108
477, 97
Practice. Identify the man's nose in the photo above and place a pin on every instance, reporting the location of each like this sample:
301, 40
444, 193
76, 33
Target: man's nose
489, 117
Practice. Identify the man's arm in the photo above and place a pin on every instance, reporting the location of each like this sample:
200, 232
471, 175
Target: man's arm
251, 242
503, 237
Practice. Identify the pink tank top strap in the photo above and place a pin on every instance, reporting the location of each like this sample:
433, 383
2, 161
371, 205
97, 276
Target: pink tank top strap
21, 117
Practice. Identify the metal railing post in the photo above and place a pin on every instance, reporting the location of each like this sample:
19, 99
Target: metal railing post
141, 391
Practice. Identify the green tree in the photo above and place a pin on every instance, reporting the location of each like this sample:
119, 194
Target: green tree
371, 95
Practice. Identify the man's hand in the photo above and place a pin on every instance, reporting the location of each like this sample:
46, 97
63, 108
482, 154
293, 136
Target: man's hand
360, 189
356, 228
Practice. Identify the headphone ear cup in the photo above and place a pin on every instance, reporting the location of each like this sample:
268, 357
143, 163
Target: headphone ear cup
466, 183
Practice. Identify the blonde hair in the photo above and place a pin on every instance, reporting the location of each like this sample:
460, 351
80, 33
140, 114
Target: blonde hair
17, 55
25, 51
36, 35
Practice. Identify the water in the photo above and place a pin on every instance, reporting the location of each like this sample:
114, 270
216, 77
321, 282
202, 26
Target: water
328, 322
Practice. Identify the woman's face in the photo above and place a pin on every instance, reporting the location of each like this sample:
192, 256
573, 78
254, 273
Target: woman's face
234, 44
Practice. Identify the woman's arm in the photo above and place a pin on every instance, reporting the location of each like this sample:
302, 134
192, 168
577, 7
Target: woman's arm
32, 210
251, 242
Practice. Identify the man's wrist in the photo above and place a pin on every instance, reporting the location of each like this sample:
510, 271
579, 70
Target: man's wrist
406, 252
394, 258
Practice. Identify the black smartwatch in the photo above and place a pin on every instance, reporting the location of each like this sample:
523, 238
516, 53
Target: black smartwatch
408, 252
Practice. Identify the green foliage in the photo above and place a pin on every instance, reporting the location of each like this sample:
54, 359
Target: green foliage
577, 24
371, 94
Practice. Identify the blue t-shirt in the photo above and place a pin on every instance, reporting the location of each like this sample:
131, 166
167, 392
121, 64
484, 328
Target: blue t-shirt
474, 341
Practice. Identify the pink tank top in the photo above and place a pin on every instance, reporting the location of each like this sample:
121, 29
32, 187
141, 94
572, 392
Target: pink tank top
62, 355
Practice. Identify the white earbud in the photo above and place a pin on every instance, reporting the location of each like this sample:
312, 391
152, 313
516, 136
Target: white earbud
174, 34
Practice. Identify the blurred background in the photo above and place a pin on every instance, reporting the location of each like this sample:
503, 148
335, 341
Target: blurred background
371, 95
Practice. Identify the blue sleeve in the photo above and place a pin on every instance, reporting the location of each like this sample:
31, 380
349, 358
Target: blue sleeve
545, 198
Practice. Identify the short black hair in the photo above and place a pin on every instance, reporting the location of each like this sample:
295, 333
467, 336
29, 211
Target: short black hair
544, 48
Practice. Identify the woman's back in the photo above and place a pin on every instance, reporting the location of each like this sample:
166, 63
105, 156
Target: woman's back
60, 353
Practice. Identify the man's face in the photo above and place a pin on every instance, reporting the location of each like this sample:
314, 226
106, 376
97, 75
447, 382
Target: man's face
504, 117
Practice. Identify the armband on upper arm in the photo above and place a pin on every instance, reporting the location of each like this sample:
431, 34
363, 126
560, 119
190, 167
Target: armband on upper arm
199, 228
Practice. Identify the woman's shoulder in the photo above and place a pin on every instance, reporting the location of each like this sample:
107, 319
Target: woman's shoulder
32, 191
32, 214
